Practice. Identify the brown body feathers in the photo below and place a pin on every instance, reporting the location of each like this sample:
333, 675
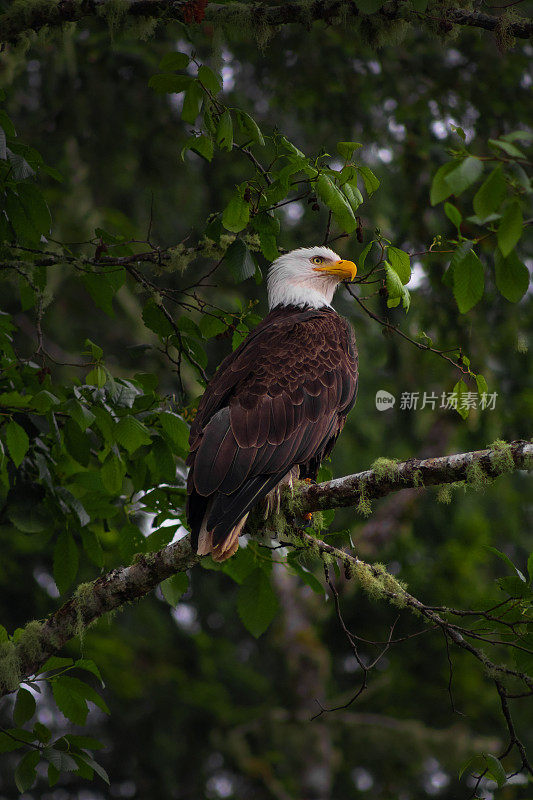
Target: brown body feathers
278, 401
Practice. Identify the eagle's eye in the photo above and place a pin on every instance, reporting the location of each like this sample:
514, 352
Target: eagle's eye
317, 260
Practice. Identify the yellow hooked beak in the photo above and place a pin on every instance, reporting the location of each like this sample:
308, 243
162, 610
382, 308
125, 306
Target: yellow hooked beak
341, 269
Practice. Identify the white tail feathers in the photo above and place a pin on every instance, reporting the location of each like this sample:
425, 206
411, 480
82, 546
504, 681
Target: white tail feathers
230, 545
224, 550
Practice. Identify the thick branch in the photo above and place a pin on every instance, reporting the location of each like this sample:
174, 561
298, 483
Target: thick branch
111, 591
393, 476
19, 21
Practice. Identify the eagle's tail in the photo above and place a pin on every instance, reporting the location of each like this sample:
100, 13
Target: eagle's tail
217, 522
224, 549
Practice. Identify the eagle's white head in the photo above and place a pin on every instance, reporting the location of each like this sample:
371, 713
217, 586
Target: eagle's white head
307, 277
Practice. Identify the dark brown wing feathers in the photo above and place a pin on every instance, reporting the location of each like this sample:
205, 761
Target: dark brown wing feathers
279, 400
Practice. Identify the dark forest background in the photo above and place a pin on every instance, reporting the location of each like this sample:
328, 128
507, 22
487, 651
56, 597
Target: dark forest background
199, 708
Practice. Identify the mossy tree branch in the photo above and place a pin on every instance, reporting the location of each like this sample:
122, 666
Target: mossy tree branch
33, 15
111, 591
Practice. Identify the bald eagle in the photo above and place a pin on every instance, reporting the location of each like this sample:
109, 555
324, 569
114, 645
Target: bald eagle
276, 405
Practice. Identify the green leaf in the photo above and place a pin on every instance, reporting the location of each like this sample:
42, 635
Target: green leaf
72, 504
77, 443
131, 433
96, 377
239, 261
112, 473
17, 441
94, 350
347, 149
175, 60
176, 429
400, 261
101, 291
464, 175
25, 773
526, 136
332, 196
161, 463
364, 253
78, 687
27, 295
201, 145
490, 194
5, 121
515, 587
353, 195
249, 127
456, 259
94, 765
530, 567
24, 707
60, 760
89, 666
131, 541
257, 604
508, 148
193, 349
26, 509
43, 733
211, 326
80, 414
70, 702
369, 179
394, 283
56, 662
8, 744
522, 659
440, 189
268, 228
188, 326
481, 383
25, 231
155, 319
453, 214
512, 276
307, 576
236, 215
44, 400
468, 282
192, 103
269, 246
506, 560
209, 79
66, 561
91, 545
35, 207
495, 770
224, 133
169, 83
459, 390
510, 228
174, 587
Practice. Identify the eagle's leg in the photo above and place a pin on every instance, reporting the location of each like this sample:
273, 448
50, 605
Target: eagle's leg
272, 501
